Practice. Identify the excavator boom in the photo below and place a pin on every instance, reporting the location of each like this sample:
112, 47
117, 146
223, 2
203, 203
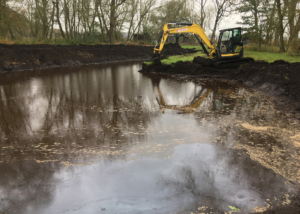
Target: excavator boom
189, 28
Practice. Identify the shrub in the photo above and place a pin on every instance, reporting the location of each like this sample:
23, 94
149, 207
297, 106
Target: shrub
6, 41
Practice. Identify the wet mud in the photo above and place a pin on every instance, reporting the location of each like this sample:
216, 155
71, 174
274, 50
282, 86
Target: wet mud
108, 139
29, 57
279, 79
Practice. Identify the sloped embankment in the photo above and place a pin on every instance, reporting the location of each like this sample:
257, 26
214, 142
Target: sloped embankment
25, 57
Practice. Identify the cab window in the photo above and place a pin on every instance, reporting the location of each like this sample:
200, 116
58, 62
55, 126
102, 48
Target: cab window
226, 35
237, 35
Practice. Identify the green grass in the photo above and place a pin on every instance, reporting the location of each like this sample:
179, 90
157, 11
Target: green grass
198, 47
187, 57
259, 55
270, 57
256, 55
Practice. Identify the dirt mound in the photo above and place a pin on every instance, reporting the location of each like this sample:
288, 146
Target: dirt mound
177, 68
24, 57
172, 49
281, 79
172, 45
202, 61
180, 67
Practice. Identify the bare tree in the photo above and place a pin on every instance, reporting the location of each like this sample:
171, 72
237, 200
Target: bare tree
223, 9
280, 25
113, 20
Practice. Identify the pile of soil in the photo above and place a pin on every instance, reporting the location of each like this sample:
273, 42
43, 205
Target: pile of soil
280, 78
175, 49
25, 57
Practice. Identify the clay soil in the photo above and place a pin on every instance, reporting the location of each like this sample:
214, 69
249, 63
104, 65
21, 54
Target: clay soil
27, 57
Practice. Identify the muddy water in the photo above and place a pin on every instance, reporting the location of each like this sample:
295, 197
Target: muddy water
107, 139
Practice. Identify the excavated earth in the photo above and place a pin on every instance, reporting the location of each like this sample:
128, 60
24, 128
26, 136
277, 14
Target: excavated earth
27, 57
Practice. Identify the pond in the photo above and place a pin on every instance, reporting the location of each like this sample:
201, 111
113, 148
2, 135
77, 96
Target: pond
108, 139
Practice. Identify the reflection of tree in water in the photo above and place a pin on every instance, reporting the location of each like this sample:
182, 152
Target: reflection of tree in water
61, 117
58, 116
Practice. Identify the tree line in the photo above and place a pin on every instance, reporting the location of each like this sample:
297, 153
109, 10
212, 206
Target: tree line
269, 22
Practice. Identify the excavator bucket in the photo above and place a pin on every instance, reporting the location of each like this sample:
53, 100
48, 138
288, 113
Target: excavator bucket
156, 59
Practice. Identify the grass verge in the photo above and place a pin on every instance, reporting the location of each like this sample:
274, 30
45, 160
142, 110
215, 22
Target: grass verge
256, 55
270, 57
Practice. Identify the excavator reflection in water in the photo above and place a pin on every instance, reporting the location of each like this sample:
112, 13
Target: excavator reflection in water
220, 96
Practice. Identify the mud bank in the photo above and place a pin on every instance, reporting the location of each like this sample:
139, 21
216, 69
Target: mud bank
279, 79
28, 57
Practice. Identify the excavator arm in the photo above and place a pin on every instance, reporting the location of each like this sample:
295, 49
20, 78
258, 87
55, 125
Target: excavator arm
188, 28
186, 109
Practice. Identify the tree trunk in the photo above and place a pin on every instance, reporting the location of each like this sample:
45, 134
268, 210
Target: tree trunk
12, 36
112, 21
100, 22
215, 28
52, 21
280, 26
66, 10
103, 18
58, 21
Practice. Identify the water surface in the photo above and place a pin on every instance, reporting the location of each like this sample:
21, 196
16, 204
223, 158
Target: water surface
107, 139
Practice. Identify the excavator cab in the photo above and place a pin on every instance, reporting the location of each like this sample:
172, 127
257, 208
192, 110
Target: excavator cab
230, 44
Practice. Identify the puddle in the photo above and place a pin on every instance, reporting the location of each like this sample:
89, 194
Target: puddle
107, 139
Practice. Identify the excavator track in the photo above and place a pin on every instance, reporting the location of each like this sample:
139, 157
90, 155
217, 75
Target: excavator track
232, 63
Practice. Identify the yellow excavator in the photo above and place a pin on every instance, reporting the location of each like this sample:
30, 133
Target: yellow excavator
228, 52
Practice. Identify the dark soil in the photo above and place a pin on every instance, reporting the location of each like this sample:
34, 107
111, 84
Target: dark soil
25, 57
